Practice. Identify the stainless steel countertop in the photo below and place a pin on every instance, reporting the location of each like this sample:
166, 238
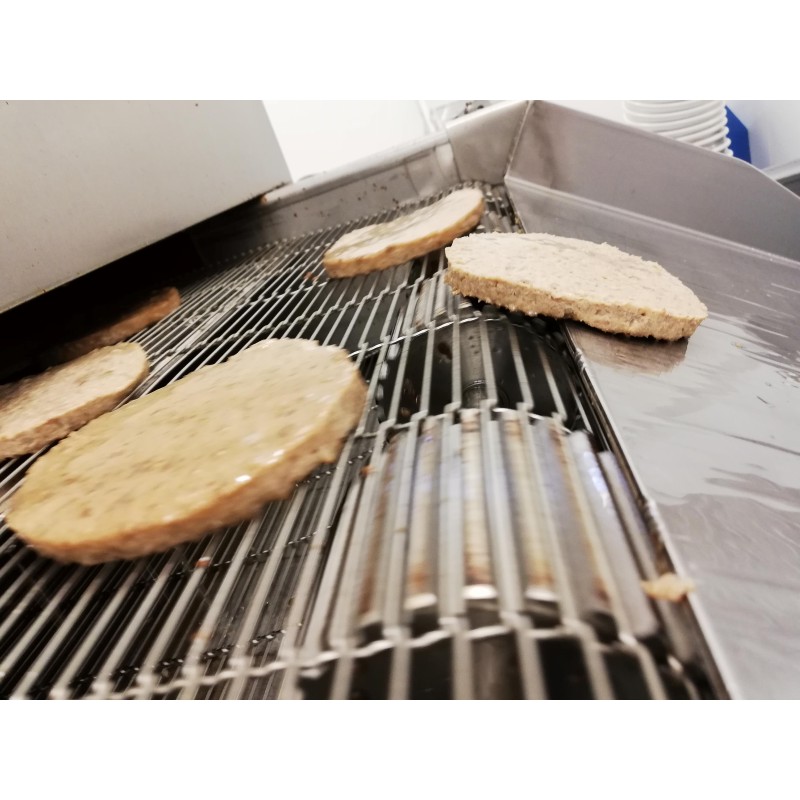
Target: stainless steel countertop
711, 427
715, 440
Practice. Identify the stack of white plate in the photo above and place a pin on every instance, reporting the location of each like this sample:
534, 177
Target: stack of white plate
700, 122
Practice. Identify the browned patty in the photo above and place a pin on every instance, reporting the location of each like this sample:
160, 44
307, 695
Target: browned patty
203, 452
562, 277
126, 324
44, 408
388, 244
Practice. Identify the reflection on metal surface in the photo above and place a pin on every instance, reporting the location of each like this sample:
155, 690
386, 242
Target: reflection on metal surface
710, 429
625, 353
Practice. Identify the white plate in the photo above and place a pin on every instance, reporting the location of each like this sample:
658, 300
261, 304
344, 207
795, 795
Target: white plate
701, 131
720, 146
714, 139
717, 136
665, 106
682, 118
678, 119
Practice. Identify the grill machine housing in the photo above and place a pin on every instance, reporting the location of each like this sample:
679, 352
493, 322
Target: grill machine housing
320, 597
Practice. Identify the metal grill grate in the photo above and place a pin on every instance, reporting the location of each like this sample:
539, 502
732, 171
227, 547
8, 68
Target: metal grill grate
466, 544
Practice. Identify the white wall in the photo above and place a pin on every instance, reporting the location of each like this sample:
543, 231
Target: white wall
318, 135
773, 127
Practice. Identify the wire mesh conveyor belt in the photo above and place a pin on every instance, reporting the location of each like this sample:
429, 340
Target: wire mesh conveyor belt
470, 541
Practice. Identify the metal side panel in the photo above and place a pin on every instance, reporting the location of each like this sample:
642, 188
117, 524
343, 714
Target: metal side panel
625, 168
386, 180
85, 183
483, 142
710, 426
